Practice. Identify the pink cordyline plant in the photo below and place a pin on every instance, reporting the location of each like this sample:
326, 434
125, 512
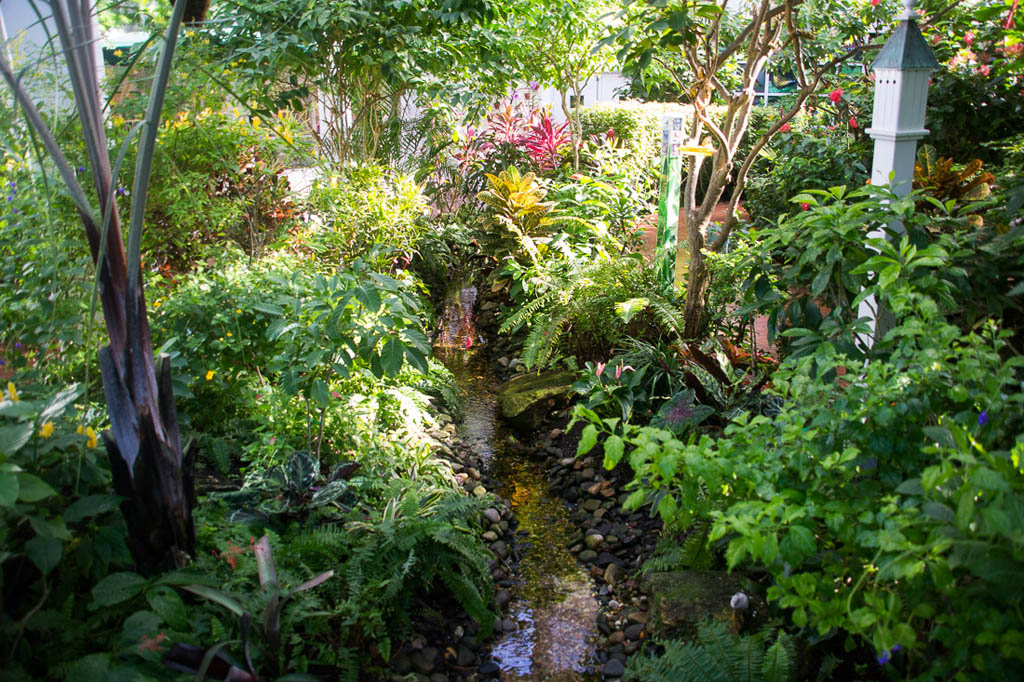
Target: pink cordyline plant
544, 142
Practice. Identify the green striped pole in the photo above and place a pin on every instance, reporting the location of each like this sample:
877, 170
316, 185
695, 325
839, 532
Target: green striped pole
668, 203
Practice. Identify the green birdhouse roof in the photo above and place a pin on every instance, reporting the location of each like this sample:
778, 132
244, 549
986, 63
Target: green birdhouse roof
906, 49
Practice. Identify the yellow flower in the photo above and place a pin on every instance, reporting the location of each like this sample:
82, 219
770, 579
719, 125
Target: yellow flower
229, 333
12, 392
287, 135
46, 430
255, 121
209, 375
93, 439
234, 110
118, 52
238, 311
118, 120
158, 302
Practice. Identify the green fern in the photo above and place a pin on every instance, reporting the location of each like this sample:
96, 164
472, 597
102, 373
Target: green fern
692, 553
718, 655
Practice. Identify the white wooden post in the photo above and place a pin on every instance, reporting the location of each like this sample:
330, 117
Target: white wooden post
902, 71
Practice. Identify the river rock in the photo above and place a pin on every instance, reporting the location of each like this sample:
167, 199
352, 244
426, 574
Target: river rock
638, 617
614, 574
524, 399
593, 541
682, 599
587, 555
500, 549
492, 515
466, 657
490, 536
613, 668
489, 668
424, 659
502, 598
592, 504
635, 631
479, 491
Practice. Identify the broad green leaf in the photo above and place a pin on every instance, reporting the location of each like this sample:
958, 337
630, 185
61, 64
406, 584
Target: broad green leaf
320, 394
391, 356
90, 506
627, 309
217, 597
8, 488
13, 437
613, 449
45, 552
116, 588
59, 403
167, 604
33, 488
588, 439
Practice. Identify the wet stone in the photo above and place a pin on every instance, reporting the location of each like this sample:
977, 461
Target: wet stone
634, 631
500, 549
489, 668
479, 491
605, 558
591, 505
638, 617
613, 668
401, 664
509, 625
465, 658
502, 598
593, 541
424, 659
490, 536
492, 515
587, 555
614, 574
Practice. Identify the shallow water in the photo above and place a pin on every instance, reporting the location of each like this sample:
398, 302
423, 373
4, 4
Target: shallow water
553, 604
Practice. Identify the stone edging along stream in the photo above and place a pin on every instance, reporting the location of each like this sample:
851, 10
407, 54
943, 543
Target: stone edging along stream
610, 545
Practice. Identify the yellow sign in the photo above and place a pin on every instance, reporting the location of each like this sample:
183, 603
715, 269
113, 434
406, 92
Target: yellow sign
699, 151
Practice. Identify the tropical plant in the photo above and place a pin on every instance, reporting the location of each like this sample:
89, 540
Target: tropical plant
276, 496
149, 467
518, 207
718, 654
544, 142
937, 177
264, 636
418, 537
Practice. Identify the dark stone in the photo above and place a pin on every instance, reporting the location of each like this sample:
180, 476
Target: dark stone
401, 664
489, 668
466, 657
424, 659
502, 597
613, 668
587, 555
634, 631
605, 558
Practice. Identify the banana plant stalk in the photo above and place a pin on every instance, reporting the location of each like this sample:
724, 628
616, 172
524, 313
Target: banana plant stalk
144, 443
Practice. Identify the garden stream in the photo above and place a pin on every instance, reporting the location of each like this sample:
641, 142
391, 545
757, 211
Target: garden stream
552, 618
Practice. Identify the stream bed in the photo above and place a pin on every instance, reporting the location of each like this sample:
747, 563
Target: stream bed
552, 617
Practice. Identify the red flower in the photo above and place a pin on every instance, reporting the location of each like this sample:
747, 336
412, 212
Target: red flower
874, 3
853, 122
836, 95
969, 38
784, 128
805, 206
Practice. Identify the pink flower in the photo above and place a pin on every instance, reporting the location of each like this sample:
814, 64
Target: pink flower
853, 122
152, 644
969, 38
805, 206
836, 95
610, 134
874, 3
599, 369
618, 370
984, 69
784, 128
469, 342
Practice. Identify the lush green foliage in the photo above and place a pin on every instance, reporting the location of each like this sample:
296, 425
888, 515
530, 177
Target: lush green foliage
369, 213
920, 447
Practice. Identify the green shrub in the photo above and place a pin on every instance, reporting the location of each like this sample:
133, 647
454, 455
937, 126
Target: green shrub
810, 156
215, 179
370, 213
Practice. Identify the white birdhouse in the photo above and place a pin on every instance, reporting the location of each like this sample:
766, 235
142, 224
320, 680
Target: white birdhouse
902, 71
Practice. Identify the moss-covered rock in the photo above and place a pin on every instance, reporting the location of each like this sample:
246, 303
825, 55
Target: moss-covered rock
527, 398
682, 599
